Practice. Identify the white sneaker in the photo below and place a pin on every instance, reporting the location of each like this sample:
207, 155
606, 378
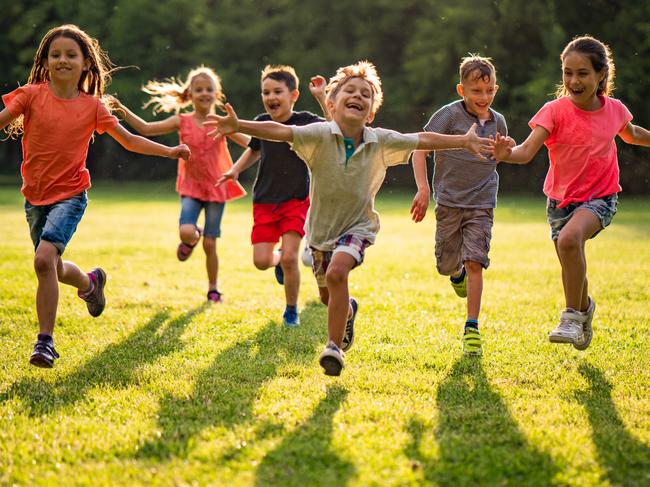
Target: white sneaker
332, 359
586, 326
570, 329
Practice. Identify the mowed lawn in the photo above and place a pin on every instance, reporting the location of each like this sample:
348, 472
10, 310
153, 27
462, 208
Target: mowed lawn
163, 389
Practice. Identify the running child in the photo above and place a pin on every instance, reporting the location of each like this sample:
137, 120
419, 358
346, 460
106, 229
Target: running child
465, 190
57, 112
281, 189
579, 129
197, 175
348, 161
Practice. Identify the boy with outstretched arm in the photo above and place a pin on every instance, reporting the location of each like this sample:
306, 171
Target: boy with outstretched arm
348, 161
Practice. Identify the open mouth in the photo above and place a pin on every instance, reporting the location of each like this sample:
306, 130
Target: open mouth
273, 106
354, 106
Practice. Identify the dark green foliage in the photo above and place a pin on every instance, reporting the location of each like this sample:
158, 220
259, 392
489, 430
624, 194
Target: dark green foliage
416, 45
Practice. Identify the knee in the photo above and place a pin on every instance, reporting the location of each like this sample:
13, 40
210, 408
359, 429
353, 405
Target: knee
473, 267
288, 260
210, 245
44, 264
262, 263
187, 232
568, 242
336, 276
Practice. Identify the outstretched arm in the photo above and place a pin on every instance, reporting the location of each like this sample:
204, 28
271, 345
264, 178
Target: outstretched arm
522, 153
135, 143
421, 200
246, 160
170, 124
229, 124
635, 134
477, 145
317, 87
240, 139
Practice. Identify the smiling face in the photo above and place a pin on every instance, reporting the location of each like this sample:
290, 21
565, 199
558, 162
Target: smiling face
478, 93
278, 99
65, 61
203, 93
352, 102
580, 80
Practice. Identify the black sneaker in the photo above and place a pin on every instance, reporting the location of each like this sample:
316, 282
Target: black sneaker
348, 336
279, 272
43, 354
95, 300
332, 359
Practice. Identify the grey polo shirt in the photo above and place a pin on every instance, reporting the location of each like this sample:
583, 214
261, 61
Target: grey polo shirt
343, 191
461, 179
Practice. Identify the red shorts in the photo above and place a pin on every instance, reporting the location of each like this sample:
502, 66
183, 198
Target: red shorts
271, 220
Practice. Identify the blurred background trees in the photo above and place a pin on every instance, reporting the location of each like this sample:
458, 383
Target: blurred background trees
416, 45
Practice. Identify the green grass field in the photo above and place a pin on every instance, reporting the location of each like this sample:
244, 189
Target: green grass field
165, 390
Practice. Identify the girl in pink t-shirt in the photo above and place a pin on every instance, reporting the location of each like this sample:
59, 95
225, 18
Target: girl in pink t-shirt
57, 113
579, 129
197, 175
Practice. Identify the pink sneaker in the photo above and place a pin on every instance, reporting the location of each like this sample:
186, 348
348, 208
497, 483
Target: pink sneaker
214, 296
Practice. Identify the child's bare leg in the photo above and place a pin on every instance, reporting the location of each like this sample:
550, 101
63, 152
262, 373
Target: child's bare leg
570, 247
324, 295
263, 255
211, 261
47, 293
339, 297
189, 234
474, 288
289, 263
69, 273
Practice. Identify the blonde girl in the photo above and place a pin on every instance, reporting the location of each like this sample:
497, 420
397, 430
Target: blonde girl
201, 91
57, 112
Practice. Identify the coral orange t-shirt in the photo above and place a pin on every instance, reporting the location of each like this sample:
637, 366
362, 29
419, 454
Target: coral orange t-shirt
209, 159
581, 149
55, 140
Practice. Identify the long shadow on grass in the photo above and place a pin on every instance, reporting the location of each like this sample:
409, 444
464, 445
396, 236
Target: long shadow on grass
305, 456
625, 458
225, 392
480, 443
114, 366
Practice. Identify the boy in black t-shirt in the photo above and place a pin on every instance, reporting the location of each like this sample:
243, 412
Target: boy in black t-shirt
281, 189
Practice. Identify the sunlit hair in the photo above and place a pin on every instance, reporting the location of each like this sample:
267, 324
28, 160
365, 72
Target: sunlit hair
93, 81
475, 67
173, 94
601, 59
283, 73
364, 70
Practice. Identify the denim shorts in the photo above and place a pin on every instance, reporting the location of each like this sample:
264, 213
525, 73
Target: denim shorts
190, 209
604, 208
55, 223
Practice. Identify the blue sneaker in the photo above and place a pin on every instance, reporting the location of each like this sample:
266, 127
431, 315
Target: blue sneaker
279, 273
291, 318
348, 336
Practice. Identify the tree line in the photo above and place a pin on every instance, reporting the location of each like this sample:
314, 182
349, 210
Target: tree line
416, 45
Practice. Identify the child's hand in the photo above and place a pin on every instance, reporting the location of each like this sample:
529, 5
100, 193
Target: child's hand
180, 151
232, 174
503, 147
478, 145
420, 205
317, 86
224, 125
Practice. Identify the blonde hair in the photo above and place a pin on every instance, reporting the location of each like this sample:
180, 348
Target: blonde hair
92, 82
173, 94
283, 73
480, 66
601, 60
364, 70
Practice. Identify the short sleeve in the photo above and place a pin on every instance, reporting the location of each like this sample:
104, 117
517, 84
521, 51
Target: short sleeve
18, 100
255, 144
544, 118
440, 121
105, 120
396, 147
502, 126
307, 139
625, 114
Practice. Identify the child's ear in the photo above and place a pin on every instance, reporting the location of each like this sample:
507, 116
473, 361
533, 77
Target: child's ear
460, 90
294, 96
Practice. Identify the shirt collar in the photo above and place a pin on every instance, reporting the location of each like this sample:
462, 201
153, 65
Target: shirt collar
369, 135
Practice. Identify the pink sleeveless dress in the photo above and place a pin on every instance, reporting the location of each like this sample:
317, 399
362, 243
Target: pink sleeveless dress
209, 160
